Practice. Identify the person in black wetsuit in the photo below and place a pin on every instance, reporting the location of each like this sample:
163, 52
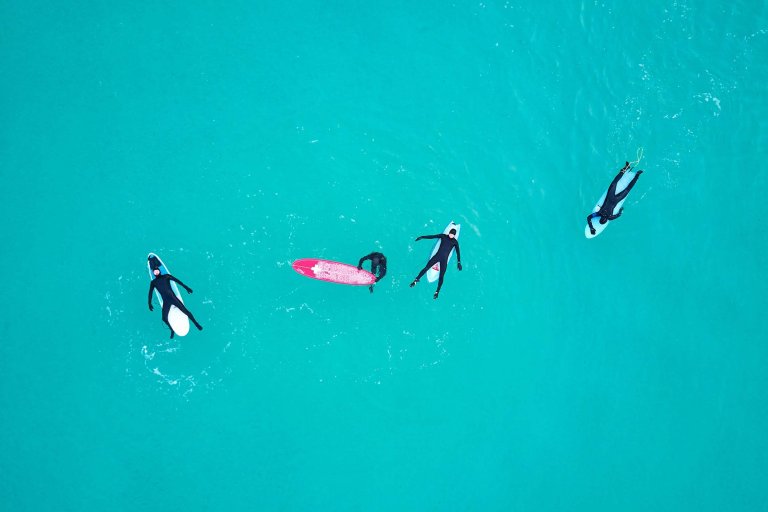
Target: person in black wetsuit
612, 199
378, 264
162, 283
447, 244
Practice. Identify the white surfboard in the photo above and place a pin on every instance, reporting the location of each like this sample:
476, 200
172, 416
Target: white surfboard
434, 272
178, 320
621, 185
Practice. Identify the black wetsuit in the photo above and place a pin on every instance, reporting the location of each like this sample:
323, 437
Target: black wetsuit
447, 244
378, 264
162, 284
612, 199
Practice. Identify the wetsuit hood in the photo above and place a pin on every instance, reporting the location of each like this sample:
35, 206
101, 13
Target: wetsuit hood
154, 263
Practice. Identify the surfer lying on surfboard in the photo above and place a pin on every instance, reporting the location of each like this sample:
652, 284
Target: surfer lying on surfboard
378, 264
612, 199
162, 283
447, 244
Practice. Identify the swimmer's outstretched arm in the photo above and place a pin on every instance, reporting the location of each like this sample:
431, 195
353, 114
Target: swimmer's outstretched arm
425, 237
189, 290
458, 255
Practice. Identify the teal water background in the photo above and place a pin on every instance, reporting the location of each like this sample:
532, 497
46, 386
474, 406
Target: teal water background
554, 373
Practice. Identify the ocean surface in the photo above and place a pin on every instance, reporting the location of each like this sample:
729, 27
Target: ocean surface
554, 373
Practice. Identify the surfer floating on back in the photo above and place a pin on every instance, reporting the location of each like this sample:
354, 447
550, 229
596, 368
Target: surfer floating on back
612, 199
447, 244
162, 283
378, 264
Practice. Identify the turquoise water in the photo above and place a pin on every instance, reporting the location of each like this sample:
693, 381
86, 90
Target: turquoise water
553, 373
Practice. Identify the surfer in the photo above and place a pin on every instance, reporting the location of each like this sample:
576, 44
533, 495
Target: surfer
162, 283
447, 244
612, 199
378, 265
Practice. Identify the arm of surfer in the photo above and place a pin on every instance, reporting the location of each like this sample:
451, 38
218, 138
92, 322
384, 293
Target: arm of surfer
458, 255
189, 290
589, 221
360, 263
614, 217
426, 237
149, 300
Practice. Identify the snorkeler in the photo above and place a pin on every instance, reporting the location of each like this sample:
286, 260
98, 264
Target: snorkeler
162, 283
378, 264
447, 244
612, 199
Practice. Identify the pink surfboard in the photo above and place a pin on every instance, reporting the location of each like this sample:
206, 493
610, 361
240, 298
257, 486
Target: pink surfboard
333, 272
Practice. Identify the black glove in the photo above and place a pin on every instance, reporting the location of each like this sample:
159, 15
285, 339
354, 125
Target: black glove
459, 265
639, 172
592, 231
189, 290
419, 238
359, 267
151, 308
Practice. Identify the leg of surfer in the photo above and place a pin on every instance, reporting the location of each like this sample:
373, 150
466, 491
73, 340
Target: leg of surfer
612, 187
166, 309
176, 302
621, 195
434, 259
443, 267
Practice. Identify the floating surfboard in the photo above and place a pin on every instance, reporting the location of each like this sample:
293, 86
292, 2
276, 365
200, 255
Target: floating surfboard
621, 185
434, 272
333, 272
178, 320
